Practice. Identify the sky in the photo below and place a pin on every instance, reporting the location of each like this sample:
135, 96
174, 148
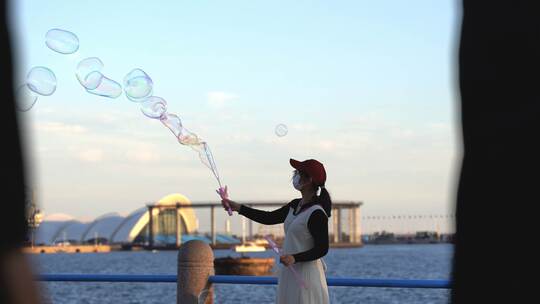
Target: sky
366, 87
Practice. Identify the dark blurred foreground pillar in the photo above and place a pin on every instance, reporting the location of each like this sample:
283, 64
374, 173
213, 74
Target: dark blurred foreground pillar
195, 265
495, 259
16, 276
13, 223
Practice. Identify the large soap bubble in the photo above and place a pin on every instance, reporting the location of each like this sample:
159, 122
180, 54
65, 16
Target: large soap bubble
62, 41
138, 85
173, 122
41, 80
154, 107
89, 72
107, 88
25, 98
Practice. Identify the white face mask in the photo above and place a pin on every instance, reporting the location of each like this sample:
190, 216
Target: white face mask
296, 182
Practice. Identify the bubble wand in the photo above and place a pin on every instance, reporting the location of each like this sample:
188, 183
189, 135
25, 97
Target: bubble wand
278, 251
224, 196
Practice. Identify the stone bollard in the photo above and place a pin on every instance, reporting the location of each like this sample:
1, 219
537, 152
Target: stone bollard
195, 265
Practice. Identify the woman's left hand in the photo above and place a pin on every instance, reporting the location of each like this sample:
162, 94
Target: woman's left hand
286, 260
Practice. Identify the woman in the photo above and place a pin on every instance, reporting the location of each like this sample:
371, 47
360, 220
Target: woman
306, 234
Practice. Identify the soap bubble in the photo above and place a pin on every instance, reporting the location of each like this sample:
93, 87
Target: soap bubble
41, 80
25, 98
173, 122
281, 130
185, 137
86, 72
107, 88
90, 77
138, 85
62, 41
154, 107
93, 80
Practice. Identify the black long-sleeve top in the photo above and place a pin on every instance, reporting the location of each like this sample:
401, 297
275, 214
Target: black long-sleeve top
317, 226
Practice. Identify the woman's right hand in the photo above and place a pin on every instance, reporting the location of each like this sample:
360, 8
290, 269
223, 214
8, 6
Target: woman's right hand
234, 205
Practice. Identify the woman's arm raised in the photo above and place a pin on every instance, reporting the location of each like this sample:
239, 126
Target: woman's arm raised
263, 217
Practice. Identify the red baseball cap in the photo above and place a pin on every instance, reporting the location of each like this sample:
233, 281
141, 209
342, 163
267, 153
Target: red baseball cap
311, 167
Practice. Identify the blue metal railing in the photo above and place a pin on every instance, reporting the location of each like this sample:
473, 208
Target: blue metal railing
235, 279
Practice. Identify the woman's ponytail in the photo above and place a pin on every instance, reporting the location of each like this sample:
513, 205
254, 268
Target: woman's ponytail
325, 201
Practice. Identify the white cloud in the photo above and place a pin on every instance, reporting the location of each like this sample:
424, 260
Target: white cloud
59, 128
218, 99
327, 145
402, 133
143, 155
238, 138
91, 155
369, 151
107, 118
304, 127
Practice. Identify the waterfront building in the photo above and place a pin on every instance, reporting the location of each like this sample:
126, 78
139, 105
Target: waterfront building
133, 229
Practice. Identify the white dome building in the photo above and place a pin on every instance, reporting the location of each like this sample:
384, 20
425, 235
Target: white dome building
113, 228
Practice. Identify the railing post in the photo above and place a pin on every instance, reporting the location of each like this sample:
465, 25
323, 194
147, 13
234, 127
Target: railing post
357, 225
213, 225
195, 265
335, 224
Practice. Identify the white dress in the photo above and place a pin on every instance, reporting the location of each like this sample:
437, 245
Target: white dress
299, 239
